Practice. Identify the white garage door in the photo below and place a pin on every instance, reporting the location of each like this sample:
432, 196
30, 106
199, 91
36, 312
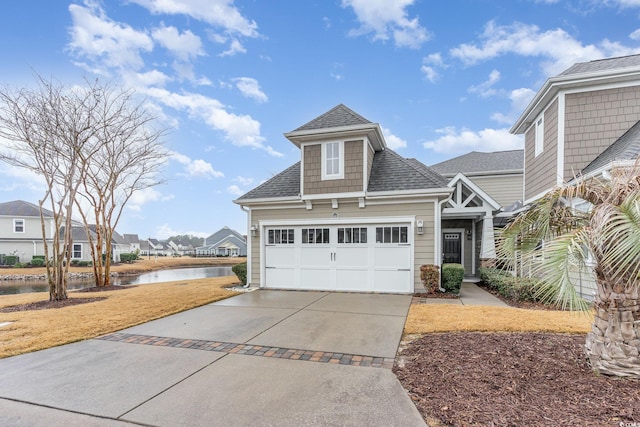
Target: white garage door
367, 258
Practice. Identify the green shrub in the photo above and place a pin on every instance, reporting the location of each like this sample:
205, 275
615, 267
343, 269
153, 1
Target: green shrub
510, 287
74, 262
83, 263
452, 276
128, 257
430, 276
11, 260
240, 270
37, 262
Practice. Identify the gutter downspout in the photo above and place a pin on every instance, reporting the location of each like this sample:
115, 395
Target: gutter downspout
249, 238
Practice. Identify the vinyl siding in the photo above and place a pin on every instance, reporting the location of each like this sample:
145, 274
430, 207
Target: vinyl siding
504, 189
353, 166
423, 244
541, 171
595, 120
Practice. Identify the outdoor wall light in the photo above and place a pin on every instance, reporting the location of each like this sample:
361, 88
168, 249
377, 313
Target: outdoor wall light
420, 226
254, 230
468, 234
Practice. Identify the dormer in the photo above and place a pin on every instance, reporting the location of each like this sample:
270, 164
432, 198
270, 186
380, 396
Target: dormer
336, 153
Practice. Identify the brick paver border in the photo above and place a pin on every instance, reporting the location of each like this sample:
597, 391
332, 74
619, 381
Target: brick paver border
253, 350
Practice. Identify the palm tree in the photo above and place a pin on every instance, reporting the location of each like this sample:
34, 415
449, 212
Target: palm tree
605, 239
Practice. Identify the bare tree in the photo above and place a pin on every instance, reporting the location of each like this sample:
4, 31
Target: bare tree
46, 129
128, 158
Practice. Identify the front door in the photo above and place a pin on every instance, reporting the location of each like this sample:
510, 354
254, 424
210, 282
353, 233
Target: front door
452, 247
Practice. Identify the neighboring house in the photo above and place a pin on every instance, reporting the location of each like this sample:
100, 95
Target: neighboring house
21, 229
351, 215
581, 123
224, 242
133, 241
488, 187
178, 249
80, 249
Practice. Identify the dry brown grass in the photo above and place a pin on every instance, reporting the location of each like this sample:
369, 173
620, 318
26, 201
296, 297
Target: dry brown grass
39, 329
425, 318
140, 266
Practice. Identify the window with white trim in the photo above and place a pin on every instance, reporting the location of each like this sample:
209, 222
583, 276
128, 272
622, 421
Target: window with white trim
77, 251
539, 137
333, 160
18, 225
280, 236
392, 234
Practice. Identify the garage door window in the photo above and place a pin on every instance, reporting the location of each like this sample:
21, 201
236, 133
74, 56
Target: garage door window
281, 237
392, 234
315, 235
352, 235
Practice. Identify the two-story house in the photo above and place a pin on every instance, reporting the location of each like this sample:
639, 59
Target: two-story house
581, 123
351, 215
21, 232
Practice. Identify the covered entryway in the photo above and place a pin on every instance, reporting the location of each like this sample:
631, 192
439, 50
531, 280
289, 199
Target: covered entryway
339, 257
452, 247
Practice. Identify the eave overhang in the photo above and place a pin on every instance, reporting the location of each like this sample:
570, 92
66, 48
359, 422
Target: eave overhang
581, 80
371, 130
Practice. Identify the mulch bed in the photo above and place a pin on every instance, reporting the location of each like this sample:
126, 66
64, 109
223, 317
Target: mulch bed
43, 305
512, 379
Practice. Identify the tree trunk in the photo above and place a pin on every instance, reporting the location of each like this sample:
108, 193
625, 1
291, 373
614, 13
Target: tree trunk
613, 345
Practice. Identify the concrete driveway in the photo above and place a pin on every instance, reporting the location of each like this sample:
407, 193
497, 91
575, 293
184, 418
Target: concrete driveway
264, 358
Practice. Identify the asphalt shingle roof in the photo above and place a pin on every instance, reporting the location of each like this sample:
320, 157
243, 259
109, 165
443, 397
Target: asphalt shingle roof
392, 172
22, 208
602, 65
389, 172
338, 116
627, 147
284, 184
476, 161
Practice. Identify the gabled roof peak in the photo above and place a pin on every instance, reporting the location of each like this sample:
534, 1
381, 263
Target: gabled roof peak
338, 116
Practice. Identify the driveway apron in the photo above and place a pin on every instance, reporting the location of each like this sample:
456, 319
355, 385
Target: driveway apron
263, 358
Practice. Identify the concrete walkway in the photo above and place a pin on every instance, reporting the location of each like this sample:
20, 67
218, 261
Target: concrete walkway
470, 294
264, 358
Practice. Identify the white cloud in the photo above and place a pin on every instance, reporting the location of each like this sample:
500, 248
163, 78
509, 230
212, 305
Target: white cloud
165, 231
430, 65
234, 47
250, 88
387, 19
453, 141
244, 181
519, 98
235, 190
147, 195
240, 130
219, 13
96, 36
558, 49
485, 89
185, 46
394, 142
196, 168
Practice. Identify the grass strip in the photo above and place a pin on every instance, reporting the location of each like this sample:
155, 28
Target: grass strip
39, 329
426, 318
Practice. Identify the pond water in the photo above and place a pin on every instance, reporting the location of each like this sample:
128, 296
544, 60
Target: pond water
25, 286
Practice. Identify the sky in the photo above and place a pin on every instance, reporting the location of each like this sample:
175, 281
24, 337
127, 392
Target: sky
228, 78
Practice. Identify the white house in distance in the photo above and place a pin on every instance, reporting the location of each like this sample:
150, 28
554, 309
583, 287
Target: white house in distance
224, 242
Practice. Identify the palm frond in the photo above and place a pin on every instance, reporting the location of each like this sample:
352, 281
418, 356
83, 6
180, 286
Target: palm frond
563, 258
